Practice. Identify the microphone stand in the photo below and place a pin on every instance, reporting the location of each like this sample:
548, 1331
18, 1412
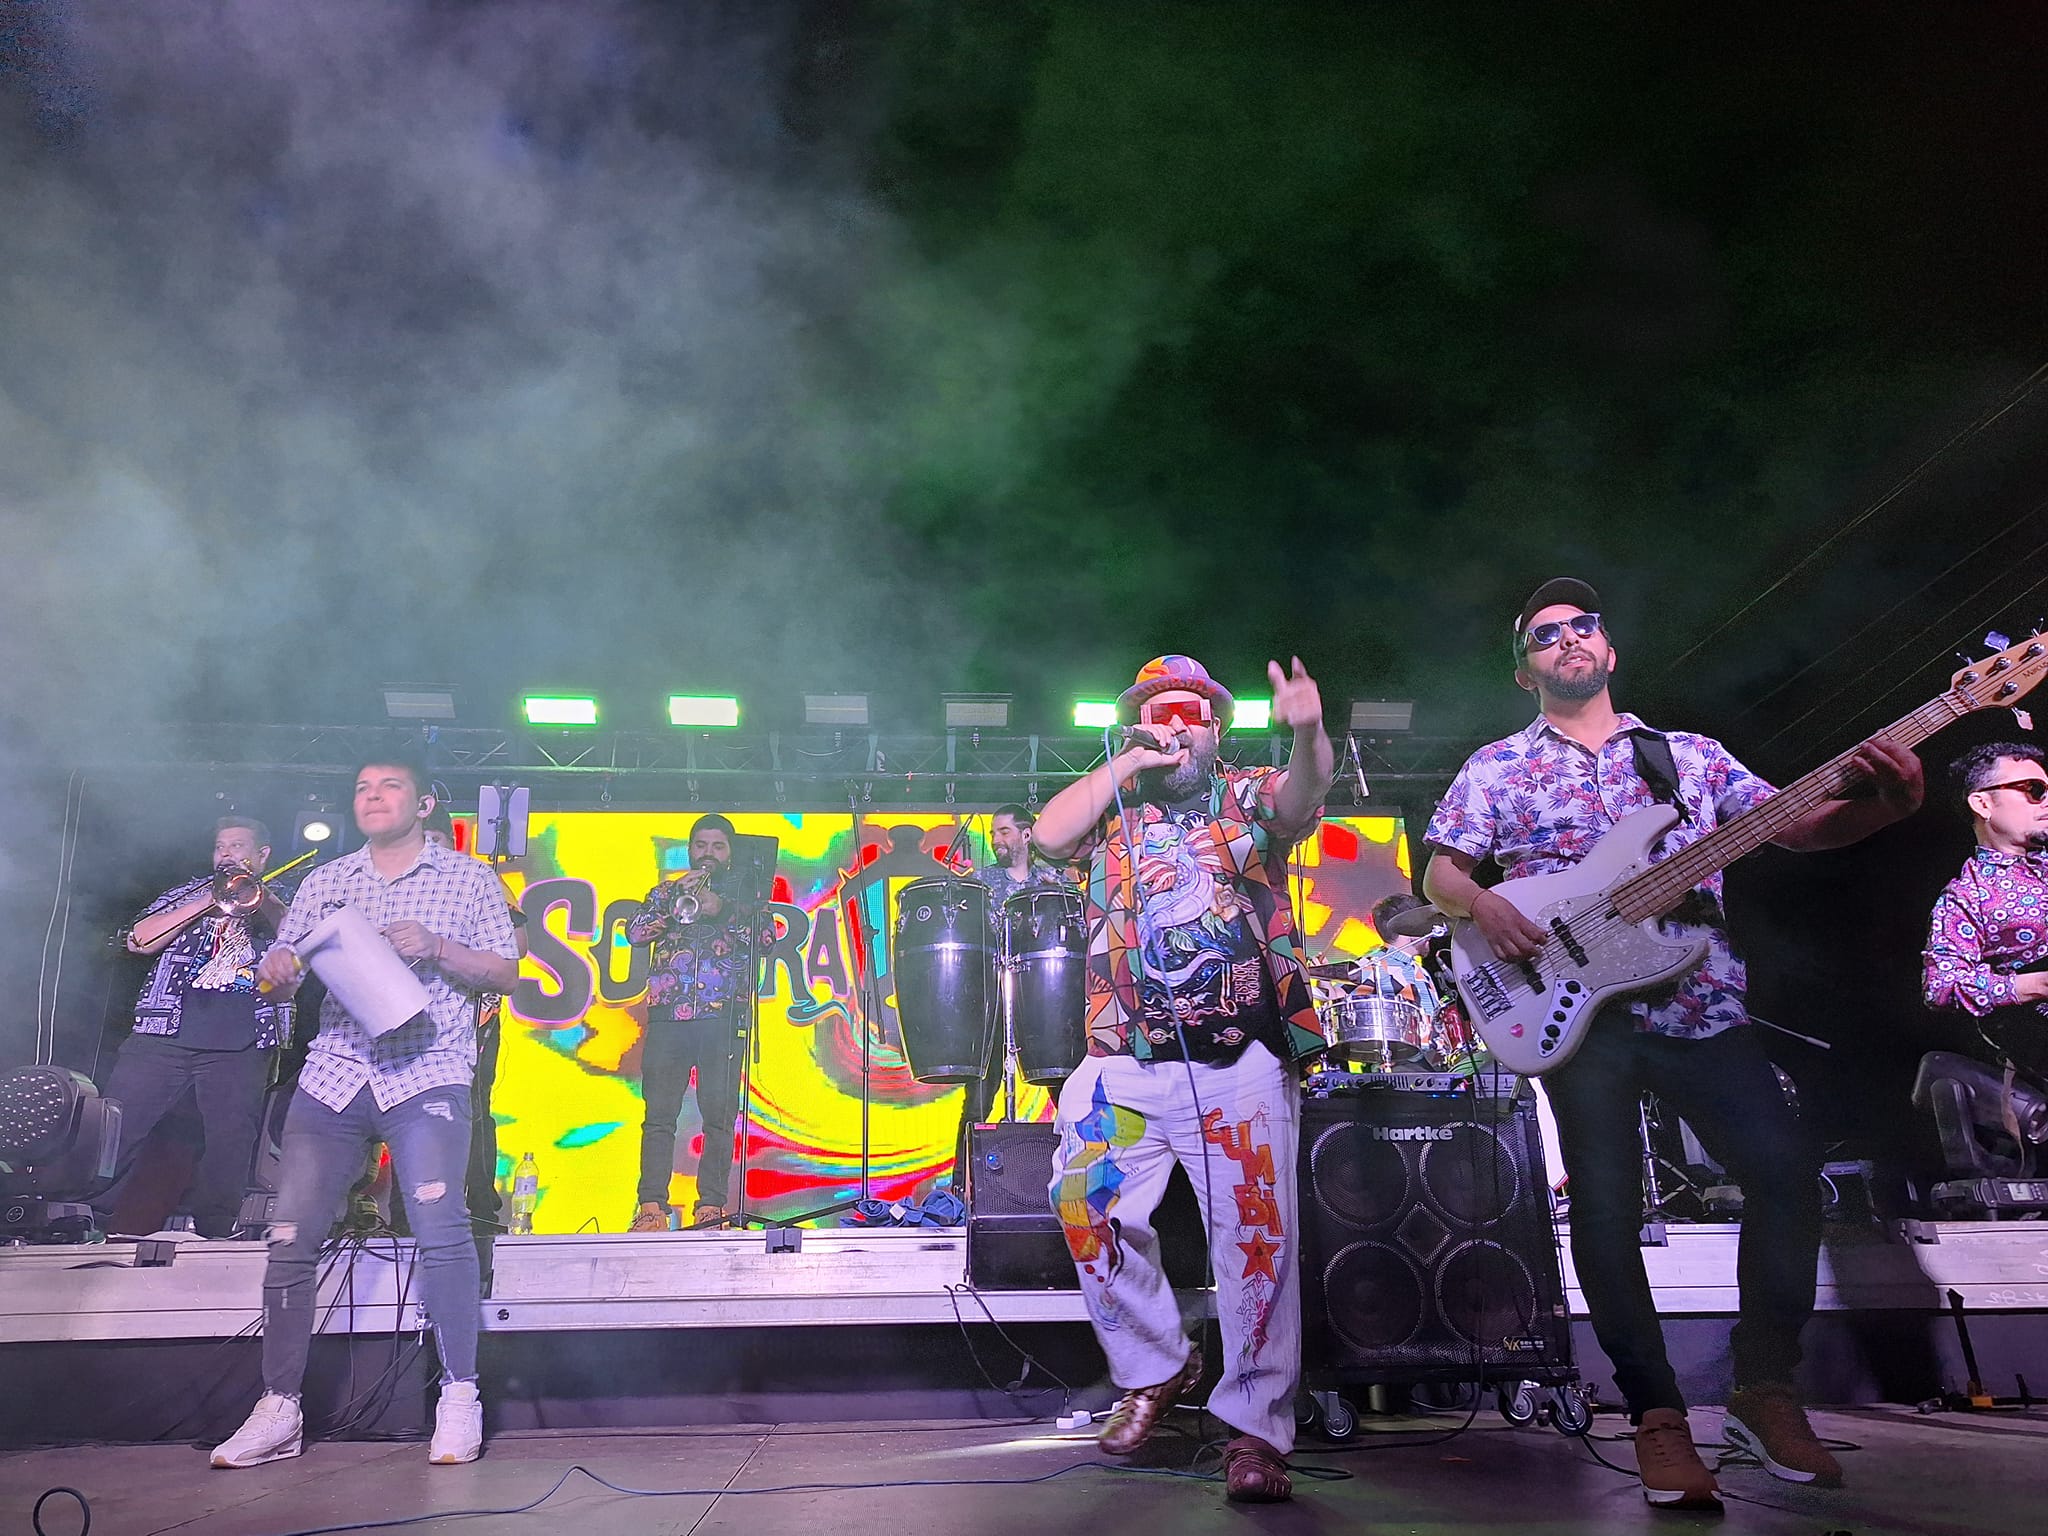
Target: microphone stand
867, 1014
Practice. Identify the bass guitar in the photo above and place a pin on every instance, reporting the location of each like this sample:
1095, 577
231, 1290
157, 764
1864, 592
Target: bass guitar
1602, 913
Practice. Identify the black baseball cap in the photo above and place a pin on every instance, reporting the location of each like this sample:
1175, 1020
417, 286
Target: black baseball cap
1559, 589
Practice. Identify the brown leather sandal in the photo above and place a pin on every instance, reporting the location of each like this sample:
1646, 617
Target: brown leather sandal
1255, 1473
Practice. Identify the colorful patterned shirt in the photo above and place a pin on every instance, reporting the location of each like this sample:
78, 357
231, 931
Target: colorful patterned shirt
450, 894
1213, 930
1989, 922
702, 966
214, 953
1537, 801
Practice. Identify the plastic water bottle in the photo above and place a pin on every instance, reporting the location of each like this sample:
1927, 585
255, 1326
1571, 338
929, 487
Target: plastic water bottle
525, 1195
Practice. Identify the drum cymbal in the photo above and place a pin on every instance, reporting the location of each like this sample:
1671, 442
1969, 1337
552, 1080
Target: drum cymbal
1415, 923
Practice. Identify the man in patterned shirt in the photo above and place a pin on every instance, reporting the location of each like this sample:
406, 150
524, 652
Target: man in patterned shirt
696, 1014
201, 1025
443, 913
1197, 1005
1990, 925
1538, 801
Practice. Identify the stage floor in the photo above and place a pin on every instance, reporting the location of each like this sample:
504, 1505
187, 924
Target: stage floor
1929, 1476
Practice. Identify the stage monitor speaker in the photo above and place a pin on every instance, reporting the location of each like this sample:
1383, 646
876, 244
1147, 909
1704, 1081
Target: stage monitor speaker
1014, 1242
267, 1156
1428, 1248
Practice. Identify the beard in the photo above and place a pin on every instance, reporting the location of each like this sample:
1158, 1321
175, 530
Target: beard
2037, 842
1578, 687
1159, 785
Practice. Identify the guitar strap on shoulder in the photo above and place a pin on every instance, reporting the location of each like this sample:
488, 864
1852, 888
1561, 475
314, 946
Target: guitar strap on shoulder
1655, 765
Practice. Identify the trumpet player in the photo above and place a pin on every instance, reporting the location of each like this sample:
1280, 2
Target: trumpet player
705, 935
200, 1023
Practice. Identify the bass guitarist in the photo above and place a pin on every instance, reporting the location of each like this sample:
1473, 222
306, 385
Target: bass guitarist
1989, 935
1538, 801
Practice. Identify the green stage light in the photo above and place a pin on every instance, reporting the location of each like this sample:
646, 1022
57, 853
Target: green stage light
554, 709
1252, 715
708, 710
1094, 714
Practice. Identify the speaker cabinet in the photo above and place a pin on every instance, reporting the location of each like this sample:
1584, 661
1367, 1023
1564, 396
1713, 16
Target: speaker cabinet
267, 1156
1014, 1242
1428, 1248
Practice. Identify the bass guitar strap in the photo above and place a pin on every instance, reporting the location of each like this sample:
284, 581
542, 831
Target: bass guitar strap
1656, 768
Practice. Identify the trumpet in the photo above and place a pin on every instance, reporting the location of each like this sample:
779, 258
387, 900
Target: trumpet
685, 905
238, 890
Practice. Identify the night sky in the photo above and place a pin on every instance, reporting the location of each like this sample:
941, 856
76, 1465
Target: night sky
915, 346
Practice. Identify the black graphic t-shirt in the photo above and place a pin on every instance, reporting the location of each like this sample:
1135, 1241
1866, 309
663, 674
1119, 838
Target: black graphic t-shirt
1198, 940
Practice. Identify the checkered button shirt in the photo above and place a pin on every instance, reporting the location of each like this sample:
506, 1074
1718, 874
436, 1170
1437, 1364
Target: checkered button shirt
452, 895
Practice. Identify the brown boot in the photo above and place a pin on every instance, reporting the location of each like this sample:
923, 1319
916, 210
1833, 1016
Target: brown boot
1673, 1475
1766, 1421
1139, 1411
1255, 1473
652, 1216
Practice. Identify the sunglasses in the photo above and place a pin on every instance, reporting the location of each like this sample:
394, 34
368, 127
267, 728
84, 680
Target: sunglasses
1541, 637
1191, 712
2036, 790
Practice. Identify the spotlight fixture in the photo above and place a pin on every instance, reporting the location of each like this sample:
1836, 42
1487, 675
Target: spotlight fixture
1379, 715
559, 709
418, 701
58, 1146
977, 711
708, 711
1094, 714
835, 709
316, 829
1252, 715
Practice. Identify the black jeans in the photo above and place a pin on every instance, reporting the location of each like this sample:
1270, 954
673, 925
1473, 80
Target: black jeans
151, 1073
1729, 1093
672, 1047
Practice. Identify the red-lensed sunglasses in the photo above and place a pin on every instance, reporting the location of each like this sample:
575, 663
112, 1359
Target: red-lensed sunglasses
1193, 712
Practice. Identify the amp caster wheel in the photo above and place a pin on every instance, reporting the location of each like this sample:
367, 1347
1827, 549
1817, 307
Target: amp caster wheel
1517, 1403
1340, 1420
1570, 1413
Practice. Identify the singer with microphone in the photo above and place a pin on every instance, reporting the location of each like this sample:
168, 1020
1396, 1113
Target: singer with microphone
1197, 1007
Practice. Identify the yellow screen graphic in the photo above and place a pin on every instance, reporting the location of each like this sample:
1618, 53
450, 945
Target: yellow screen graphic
568, 1081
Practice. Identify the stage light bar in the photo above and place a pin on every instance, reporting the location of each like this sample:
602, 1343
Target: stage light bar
835, 709
1252, 715
406, 701
707, 710
977, 711
1094, 714
1379, 715
555, 709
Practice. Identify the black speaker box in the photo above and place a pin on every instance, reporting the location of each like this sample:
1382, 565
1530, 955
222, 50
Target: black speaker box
1428, 1248
1014, 1242
267, 1156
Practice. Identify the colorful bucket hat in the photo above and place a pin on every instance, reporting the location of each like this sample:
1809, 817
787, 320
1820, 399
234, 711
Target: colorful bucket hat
1174, 674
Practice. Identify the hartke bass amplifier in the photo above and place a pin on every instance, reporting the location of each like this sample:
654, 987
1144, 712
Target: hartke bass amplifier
1014, 1242
1428, 1248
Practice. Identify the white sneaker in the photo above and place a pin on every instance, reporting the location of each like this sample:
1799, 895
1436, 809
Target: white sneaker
272, 1432
458, 1425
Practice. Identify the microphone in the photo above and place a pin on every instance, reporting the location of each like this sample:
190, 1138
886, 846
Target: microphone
1142, 736
952, 848
1358, 769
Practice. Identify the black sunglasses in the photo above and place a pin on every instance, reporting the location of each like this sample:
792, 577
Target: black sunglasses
1541, 637
2036, 790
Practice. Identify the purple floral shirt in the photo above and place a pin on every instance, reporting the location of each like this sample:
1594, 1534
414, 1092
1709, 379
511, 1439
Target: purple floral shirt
698, 967
1537, 801
1990, 921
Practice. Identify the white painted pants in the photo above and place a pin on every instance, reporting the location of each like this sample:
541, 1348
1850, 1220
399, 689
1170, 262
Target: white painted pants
1123, 1123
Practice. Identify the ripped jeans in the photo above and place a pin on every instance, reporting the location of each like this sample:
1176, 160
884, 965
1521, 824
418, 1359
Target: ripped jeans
323, 1154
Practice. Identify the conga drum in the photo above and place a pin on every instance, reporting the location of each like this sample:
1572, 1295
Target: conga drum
945, 979
1045, 952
